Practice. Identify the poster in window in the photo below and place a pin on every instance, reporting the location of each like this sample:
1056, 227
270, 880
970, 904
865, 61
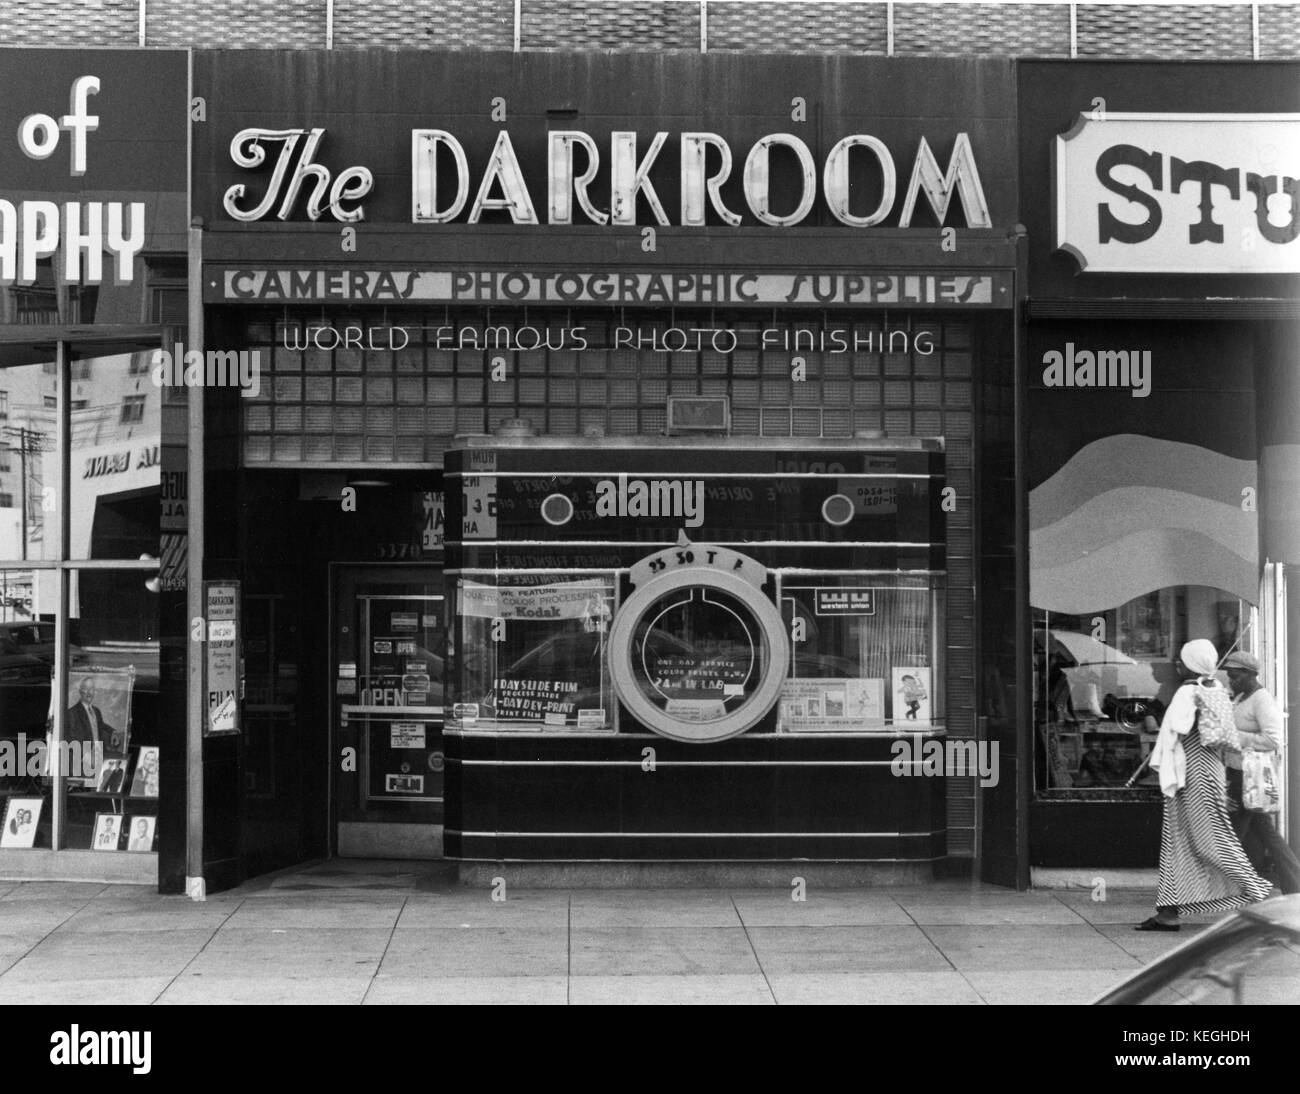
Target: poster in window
548, 657
108, 832
99, 710
911, 694
22, 815
830, 703
221, 662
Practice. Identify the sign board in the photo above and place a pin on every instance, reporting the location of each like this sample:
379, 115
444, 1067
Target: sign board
843, 600
867, 288
93, 176
692, 142
221, 658
1180, 193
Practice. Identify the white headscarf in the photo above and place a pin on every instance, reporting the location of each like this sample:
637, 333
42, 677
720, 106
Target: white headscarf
1168, 756
1200, 656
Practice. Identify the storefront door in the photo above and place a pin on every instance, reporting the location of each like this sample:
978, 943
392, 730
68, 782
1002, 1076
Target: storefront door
387, 659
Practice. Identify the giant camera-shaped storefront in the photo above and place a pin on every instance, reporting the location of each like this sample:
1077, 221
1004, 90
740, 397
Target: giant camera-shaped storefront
675, 648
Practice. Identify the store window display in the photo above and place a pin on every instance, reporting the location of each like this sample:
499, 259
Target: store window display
1103, 679
107, 614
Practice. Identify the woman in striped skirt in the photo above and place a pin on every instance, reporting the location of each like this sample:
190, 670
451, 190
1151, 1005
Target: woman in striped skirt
1202, 865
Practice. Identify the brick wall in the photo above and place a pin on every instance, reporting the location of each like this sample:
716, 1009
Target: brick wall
631, 25
51, 23
756, 27
1036, 30
1169, 32
1279, 32
424, 24
236, 24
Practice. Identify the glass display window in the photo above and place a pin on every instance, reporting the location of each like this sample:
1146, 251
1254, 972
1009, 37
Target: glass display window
865, 653
533, 652
75, 758
1103, 679
698, 651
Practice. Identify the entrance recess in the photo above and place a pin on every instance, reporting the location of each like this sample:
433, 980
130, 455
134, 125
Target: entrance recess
387, 653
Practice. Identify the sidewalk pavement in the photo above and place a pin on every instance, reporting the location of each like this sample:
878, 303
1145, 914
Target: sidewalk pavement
391, 932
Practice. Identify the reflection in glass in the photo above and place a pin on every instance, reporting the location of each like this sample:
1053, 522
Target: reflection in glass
112, 699
1103, 679
698, 654
1251, 964
26, 666
115, 472
29, 524
111, 616
533, 655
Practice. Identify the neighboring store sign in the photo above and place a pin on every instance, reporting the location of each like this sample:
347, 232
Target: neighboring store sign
322, 284
1180, 193
175, 501
221, 664
119, 461
92, 167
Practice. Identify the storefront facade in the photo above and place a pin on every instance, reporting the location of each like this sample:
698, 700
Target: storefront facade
92, 216
759, 286
679, 462
1161, 403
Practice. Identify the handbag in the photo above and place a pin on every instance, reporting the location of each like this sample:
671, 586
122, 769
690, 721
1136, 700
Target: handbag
1259, 789
1215, 720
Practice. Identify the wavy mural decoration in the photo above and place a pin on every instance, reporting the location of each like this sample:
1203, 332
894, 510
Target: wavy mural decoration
1129, 459
1128, 514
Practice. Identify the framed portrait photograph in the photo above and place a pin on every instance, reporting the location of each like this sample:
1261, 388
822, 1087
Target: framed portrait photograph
112, 776
140, 832
145, 782
98, 707
108, 832
22, 815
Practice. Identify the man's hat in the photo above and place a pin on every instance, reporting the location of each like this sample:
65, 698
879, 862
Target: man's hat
1241, 660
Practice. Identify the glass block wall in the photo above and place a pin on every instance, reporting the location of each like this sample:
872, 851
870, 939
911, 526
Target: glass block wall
466, 371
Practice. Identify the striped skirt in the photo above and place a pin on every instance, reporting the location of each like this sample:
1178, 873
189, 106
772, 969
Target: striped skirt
1202, 866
